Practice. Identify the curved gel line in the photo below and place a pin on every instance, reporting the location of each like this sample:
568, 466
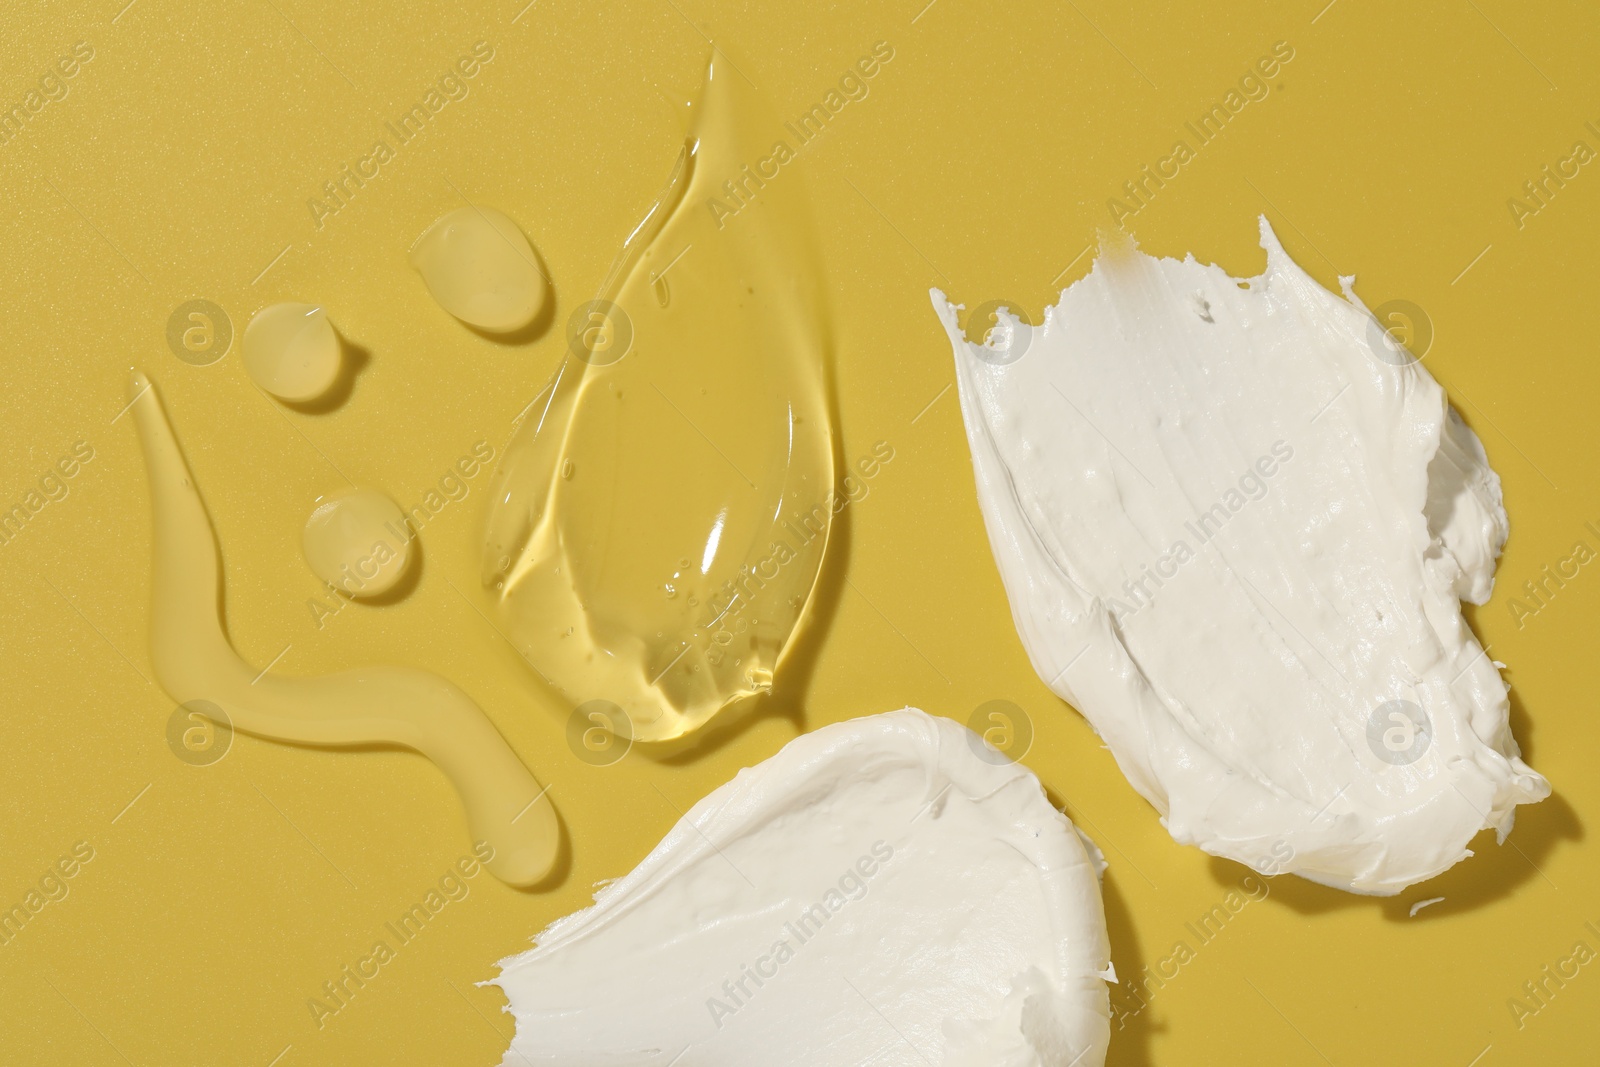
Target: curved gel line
374, 705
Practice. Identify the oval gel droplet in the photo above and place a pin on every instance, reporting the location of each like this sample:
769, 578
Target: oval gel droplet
700, 429
357, 541
480, 268
292, 351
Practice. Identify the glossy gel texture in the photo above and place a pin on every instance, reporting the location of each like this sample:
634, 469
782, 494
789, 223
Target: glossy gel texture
375, 705
292, 351
349, 542
480, 267
659, 519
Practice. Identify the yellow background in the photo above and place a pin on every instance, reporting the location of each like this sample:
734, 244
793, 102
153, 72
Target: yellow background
179, 166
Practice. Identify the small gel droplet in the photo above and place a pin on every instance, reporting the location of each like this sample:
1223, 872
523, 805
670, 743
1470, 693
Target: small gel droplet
480, 268
356, 541
292, 351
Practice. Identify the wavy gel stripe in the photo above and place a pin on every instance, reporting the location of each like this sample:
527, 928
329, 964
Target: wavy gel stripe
375, 705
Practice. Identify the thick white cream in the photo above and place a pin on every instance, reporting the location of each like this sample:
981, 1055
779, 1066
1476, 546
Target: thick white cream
1234, 522
887, 890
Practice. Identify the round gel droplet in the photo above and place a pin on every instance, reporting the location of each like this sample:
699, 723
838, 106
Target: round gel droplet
481, 269
358, 542
291, 351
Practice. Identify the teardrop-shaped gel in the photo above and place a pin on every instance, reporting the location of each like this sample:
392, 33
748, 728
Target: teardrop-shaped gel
659, 519
291, 351
480, 267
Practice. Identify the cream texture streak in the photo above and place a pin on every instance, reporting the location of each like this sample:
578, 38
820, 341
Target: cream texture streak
887, 890
1235, 523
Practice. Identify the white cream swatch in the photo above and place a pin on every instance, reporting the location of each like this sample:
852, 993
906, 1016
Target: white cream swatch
1234, 521
887, 890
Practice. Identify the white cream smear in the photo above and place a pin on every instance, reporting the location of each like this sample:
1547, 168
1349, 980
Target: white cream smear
1235, 523
887, 890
